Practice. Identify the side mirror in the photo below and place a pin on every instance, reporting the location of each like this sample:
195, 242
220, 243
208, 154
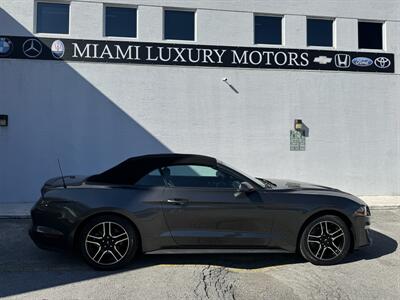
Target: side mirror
245, 187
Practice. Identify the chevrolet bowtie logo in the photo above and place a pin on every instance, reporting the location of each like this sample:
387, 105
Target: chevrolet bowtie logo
323, 60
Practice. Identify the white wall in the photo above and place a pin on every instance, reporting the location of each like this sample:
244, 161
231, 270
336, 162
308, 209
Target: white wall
94, 115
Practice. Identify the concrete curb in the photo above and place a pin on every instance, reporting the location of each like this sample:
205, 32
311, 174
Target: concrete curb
381, 202
15, 217
9, 210
375, 207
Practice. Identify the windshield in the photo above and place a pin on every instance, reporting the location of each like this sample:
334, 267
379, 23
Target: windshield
257, 181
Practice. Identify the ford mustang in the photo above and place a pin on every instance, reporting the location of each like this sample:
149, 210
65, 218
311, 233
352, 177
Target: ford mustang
183, 203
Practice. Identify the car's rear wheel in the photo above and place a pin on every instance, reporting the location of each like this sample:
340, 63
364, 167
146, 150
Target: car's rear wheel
108, 242
325, 241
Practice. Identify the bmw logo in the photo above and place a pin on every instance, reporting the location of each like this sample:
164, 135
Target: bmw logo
57, 49
6, 47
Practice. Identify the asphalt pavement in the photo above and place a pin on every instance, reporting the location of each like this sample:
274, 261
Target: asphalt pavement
27, 272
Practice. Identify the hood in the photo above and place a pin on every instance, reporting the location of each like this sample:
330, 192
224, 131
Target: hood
309, 188
284, 184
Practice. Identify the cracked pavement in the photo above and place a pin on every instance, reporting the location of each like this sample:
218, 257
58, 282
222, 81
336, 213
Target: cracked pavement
27, 272
214, 283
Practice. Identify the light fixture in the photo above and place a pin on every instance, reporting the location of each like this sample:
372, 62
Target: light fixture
3, 120
298, 125
225, 79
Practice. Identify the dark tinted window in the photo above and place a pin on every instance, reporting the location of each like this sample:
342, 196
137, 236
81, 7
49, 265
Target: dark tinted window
319, 32
120, 21
179, 25
267, 30
369, 35
154, 178
52, 18
198, 176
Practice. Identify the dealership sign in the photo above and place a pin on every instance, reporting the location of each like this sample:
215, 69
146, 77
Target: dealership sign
193, 55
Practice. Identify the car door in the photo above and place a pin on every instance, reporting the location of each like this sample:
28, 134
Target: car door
147, 196
204, 209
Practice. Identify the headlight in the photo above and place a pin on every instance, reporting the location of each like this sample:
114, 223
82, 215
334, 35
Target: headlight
363, 211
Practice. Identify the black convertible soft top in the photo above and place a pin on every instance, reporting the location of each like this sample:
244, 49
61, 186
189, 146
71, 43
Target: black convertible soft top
133, 169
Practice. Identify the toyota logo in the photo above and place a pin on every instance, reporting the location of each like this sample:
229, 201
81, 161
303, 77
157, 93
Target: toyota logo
382, 62
32, 48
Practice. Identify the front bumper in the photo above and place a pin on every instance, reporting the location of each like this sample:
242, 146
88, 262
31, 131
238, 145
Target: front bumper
361, 232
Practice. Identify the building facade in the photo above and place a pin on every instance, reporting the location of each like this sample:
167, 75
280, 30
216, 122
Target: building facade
223, 78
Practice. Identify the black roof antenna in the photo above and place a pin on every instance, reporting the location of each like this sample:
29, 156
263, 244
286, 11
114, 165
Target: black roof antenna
62, 175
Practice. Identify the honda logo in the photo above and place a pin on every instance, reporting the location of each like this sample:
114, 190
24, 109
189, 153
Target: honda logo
342, 61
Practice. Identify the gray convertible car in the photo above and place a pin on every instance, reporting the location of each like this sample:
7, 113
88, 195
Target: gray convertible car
182, 203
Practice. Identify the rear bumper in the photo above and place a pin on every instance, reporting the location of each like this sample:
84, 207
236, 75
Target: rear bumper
48, 231
47, 238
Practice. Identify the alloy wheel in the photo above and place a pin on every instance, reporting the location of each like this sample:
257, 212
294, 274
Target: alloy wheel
107, 243
326, 240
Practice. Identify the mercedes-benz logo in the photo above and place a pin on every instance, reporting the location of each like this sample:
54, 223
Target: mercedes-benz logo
32, 48
382, 62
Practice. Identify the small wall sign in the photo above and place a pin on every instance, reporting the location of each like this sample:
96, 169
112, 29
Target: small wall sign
297, 141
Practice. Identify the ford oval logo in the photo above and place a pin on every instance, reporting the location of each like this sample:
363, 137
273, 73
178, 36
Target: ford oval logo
362, 61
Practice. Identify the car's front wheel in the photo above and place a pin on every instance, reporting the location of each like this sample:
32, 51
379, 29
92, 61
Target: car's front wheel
108, 242
325, 240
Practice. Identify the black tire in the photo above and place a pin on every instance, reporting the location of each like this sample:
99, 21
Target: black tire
111, 238
323, 245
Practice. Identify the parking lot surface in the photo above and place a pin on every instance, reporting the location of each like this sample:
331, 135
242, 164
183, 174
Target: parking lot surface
27, 272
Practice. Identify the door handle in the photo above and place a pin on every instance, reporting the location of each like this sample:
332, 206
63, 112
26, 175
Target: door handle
177, 201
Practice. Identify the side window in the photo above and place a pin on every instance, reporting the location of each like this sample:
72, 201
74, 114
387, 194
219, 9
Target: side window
319, 32
52, 17
370, 35
179, 25
154, 178
268, 30
120, 21
198, 176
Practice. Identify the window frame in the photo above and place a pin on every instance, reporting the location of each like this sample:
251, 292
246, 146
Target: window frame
193, 10
283, 29
334, 32
112, 37
35, 18
142, 186
384, 38
208, 188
